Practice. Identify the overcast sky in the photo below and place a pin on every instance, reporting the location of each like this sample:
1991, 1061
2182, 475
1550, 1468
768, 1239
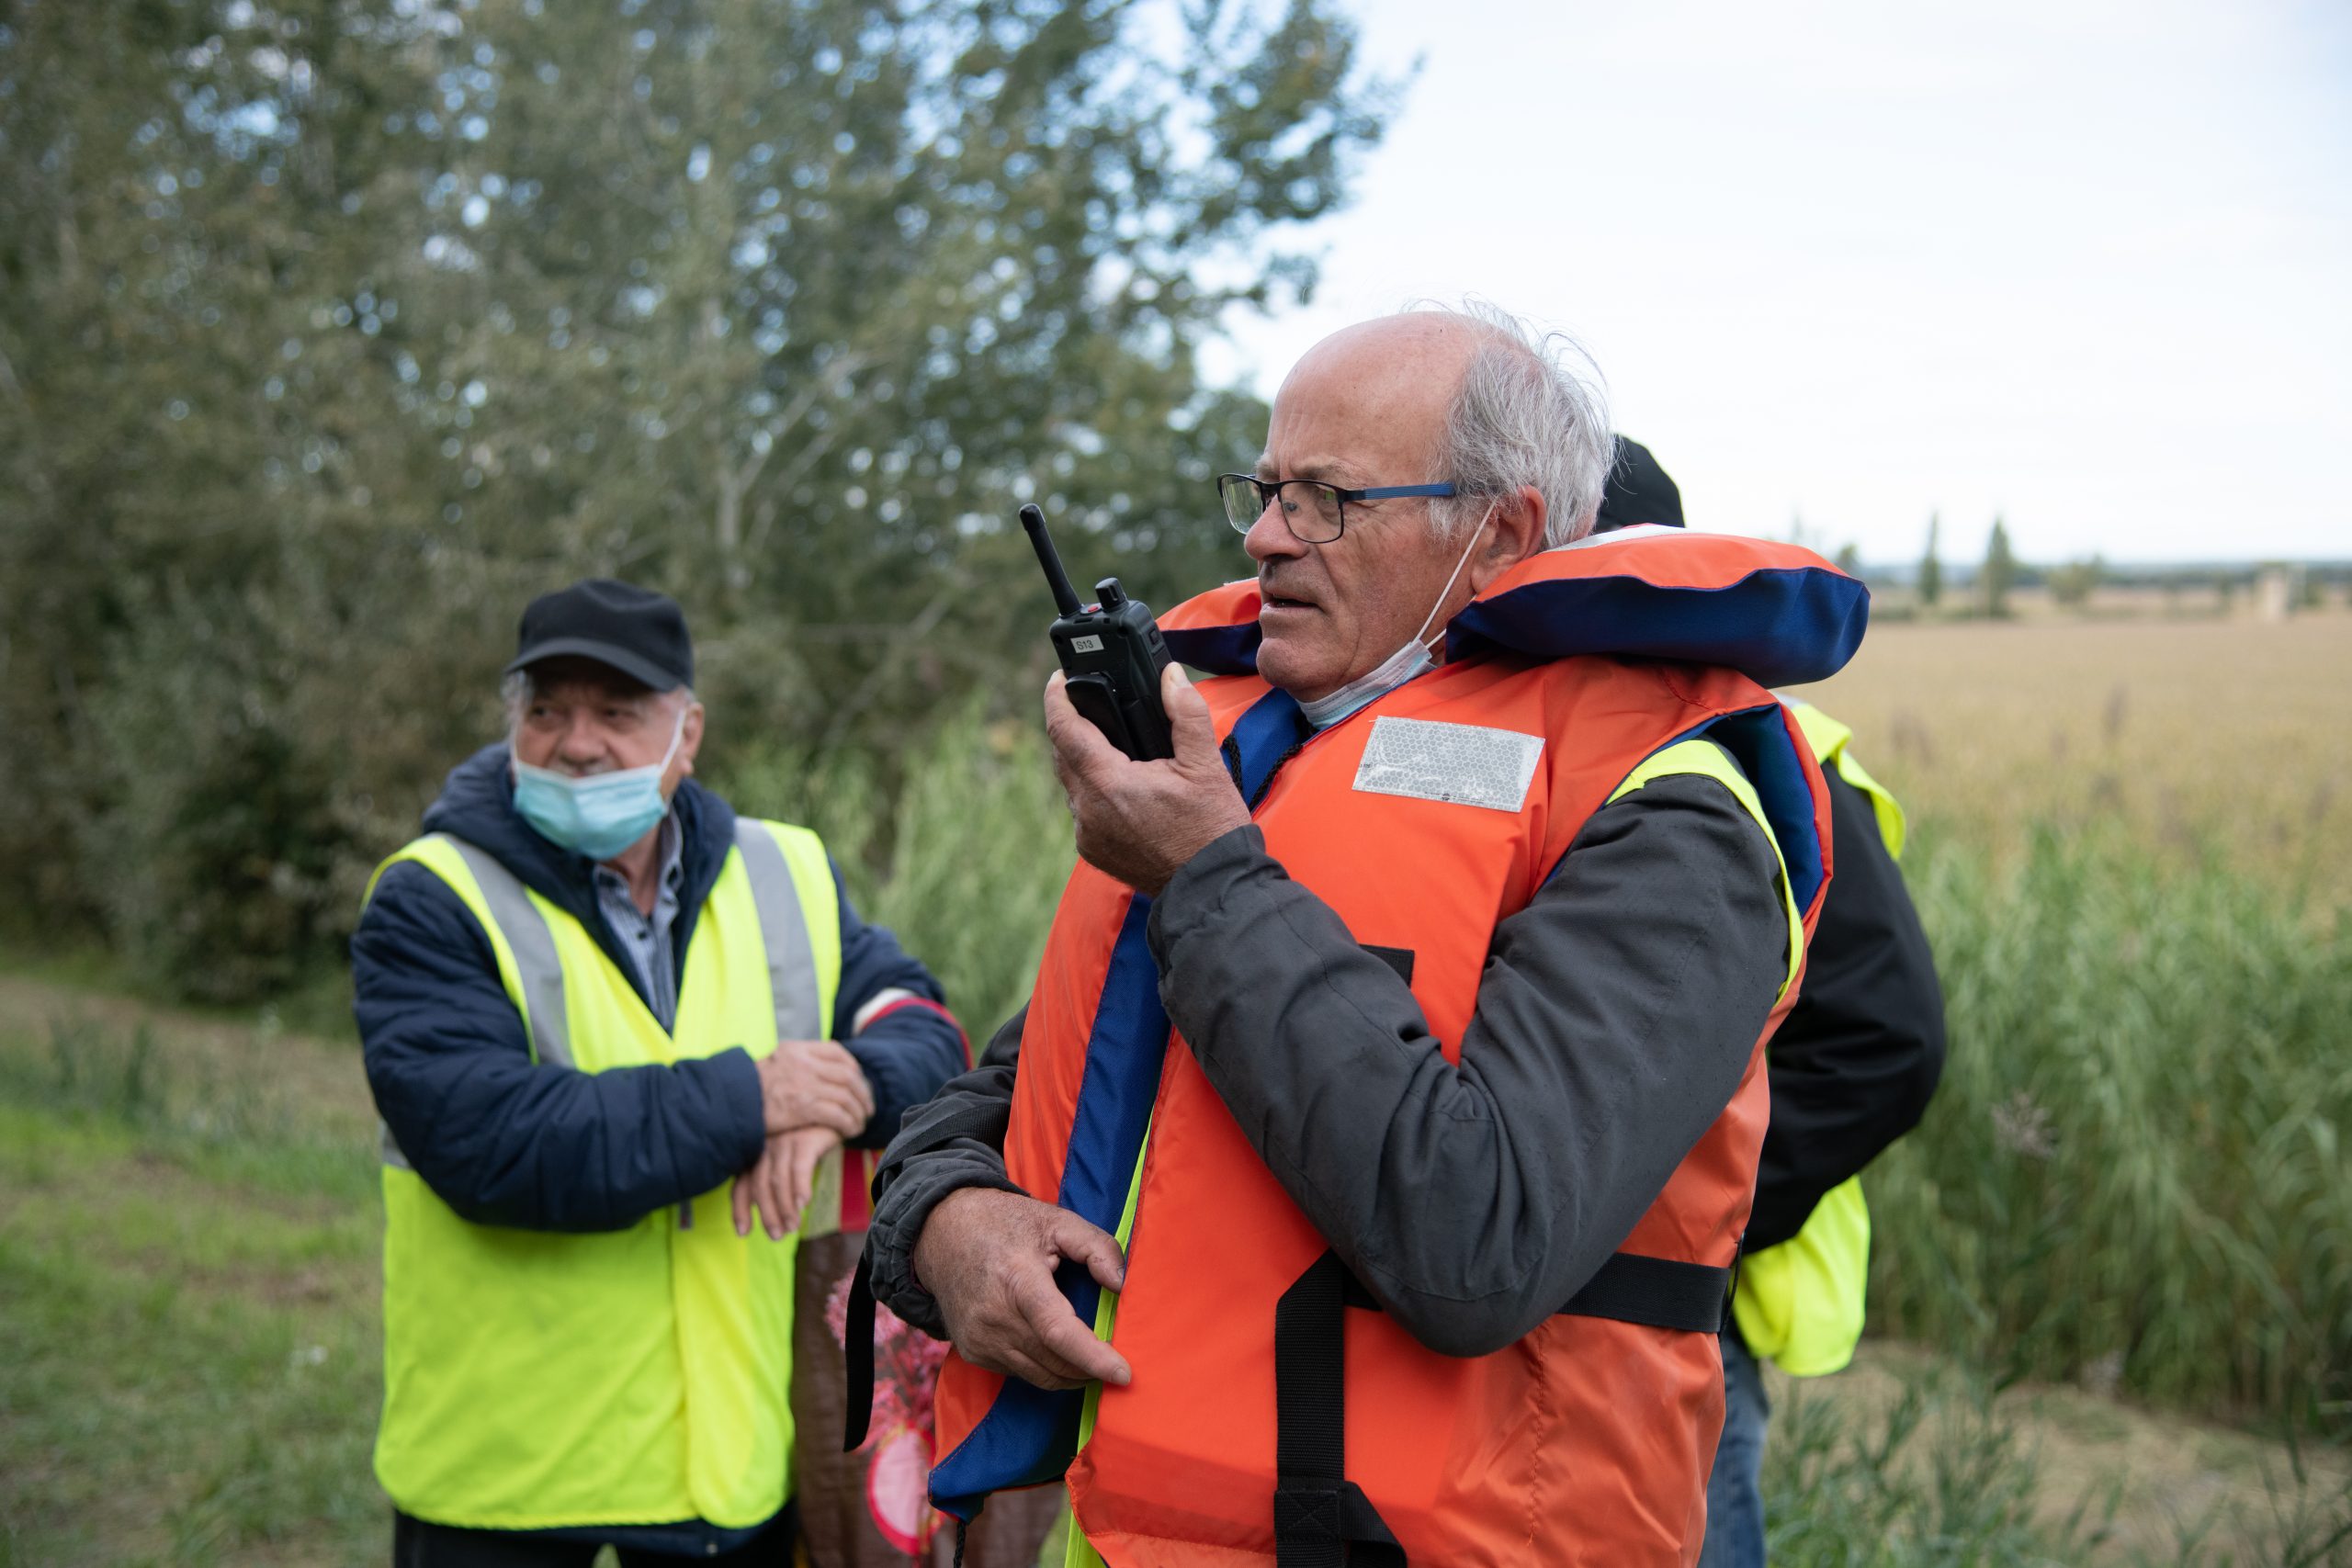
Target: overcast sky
2085, 265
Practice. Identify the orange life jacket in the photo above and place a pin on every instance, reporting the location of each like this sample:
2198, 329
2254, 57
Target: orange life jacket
1423, 820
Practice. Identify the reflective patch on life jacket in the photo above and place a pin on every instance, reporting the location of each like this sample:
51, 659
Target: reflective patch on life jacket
1462, 764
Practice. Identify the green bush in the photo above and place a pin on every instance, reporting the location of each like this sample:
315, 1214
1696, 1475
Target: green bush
251, 757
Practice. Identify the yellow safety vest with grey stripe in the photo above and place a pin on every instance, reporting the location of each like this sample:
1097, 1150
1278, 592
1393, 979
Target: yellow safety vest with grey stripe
535, 1380
1800, 1304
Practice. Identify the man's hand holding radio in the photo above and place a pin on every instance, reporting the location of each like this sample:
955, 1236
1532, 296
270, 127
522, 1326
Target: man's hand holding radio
1141, 822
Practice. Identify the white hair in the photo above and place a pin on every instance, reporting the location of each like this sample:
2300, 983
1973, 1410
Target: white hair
517, 689
1532, 411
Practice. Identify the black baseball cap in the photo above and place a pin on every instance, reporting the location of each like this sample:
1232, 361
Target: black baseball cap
637, 631
1638, 492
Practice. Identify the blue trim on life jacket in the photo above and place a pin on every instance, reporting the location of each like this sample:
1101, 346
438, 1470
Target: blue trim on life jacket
1220, 650
1029, 1435
1779, 626
1757, 739
1027, 1438
1268, 731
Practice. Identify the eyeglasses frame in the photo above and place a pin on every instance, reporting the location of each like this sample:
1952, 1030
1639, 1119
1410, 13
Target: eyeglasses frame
1343, 495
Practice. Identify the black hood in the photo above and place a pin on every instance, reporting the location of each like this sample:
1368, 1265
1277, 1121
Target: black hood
477, 804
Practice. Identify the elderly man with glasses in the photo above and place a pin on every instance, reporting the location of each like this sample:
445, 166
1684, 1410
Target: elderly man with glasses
1362, 1182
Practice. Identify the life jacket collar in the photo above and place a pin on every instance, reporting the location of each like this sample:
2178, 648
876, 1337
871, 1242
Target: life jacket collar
1777, 614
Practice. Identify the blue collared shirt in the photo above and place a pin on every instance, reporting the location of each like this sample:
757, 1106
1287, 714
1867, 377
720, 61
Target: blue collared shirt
646, 937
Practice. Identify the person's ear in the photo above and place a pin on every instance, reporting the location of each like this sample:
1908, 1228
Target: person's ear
1516, 534
689, 741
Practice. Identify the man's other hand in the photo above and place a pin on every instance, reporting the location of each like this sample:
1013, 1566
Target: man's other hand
1141, 822
987, 1258
783, 1181
814, 1083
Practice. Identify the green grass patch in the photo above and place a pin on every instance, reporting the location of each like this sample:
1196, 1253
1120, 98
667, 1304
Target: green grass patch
188, 1290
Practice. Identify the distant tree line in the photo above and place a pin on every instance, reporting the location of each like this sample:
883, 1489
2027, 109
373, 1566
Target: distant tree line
1991, 582
331, 329
1986, 589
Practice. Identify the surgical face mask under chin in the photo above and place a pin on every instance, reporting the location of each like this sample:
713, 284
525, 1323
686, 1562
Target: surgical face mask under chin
600, 815
1415, 658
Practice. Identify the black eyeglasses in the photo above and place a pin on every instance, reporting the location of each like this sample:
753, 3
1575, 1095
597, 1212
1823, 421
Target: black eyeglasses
1315, 512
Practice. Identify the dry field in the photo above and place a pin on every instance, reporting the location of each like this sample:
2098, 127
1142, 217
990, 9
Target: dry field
2231, 738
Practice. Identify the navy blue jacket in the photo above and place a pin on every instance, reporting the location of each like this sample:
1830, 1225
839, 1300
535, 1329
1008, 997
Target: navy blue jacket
507, 1141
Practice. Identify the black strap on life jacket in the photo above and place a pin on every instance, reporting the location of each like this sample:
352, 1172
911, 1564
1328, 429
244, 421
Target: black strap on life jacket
1321, 1519
857, 1346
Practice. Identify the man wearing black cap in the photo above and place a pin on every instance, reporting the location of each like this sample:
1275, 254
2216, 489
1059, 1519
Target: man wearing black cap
615, 1032
1852, 1070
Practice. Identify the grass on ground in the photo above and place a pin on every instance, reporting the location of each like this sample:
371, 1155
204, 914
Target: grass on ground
188, 1295
188, 1292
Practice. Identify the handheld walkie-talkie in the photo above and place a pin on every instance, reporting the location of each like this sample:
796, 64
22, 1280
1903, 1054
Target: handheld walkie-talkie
1110, 653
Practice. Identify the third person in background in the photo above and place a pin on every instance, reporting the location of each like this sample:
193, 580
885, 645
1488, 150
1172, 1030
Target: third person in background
1852, 1070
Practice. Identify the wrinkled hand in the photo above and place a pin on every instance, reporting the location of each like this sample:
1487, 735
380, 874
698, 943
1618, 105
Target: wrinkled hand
781, 1183
987, 1258
814, 1083
1141, 822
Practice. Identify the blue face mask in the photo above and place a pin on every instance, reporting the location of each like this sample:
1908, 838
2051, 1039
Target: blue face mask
598, 815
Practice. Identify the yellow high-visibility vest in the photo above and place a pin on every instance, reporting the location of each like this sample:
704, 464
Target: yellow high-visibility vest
1800, 1304
535, 1381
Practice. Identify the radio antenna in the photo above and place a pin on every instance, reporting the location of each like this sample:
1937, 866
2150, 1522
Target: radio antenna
1065, 596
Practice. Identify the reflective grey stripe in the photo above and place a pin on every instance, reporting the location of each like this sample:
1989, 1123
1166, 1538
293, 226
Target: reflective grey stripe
391, 1148
792, 962
527, 937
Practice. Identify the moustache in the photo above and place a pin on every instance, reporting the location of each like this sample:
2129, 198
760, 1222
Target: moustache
1269, 589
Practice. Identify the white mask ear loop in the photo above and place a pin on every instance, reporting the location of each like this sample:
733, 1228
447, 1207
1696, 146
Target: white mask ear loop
677, 736
1422, 635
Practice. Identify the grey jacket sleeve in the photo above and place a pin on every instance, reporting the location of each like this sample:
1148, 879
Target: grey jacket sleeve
952, 1140
1614, 1021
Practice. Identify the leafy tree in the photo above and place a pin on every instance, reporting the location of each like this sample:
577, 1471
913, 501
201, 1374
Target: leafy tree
1998, 574
1931, 570
330, 330
1849, 559
174, 191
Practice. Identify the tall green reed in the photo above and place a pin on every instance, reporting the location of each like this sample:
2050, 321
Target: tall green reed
2134, 1174
964, 859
